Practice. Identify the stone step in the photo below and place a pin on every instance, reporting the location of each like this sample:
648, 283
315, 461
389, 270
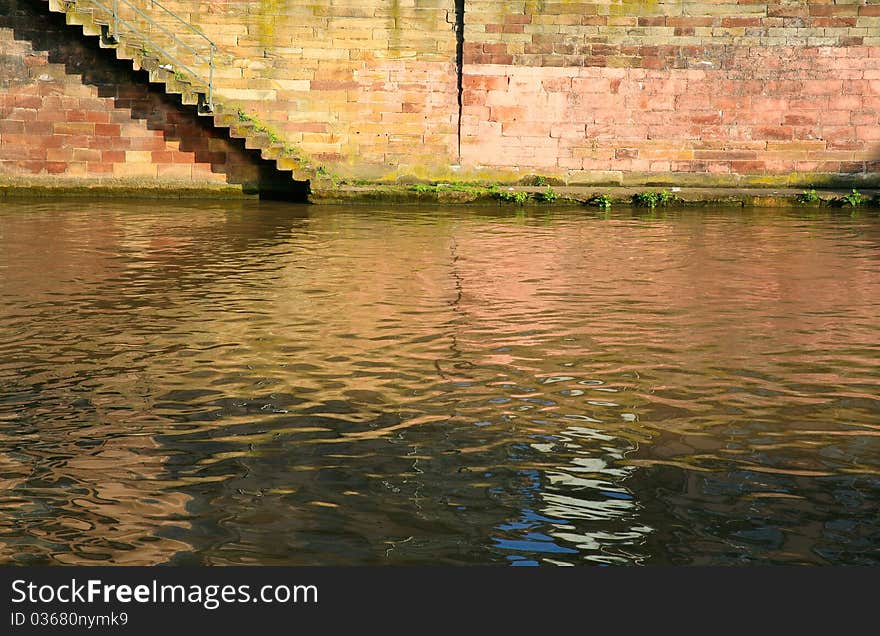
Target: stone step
84, 20
273, 151
223, 119
290, 163
257, 140
242, 129
192, 90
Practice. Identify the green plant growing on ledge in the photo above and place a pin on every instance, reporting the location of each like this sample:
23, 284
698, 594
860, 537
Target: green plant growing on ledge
293, 153
462, 187
646, 199
600, 200
260, 127
519, 198
547, 196
276, 139
808, 197
666, 198
653, 199
468, 188
853, 199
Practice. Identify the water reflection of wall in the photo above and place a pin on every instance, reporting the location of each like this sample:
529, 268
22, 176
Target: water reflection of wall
84, 352
417, 386
500, 343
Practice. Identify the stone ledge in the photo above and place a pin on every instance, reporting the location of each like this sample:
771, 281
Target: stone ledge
568, 195
29, 186
324, 192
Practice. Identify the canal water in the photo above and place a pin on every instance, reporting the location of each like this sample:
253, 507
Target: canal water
265, 383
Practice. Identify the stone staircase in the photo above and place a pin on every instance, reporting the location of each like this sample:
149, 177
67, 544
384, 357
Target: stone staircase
144, 47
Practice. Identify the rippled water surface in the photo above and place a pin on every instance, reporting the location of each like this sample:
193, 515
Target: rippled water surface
255, 383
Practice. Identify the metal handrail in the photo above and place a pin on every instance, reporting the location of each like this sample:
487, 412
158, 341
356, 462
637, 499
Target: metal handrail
154, 23
192, 27
117, 20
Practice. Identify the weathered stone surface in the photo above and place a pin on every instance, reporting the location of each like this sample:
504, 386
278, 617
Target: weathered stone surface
734, 92
70, 115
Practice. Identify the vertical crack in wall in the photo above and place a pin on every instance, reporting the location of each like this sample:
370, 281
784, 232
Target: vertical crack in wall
459, 63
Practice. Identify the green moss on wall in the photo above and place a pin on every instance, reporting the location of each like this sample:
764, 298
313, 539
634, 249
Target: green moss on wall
634, 7
269, 9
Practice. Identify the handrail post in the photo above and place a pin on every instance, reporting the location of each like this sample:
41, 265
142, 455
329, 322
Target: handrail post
113, 9
116, 20
211, 80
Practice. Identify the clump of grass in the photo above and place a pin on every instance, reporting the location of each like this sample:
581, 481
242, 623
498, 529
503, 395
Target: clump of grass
653, 199
519, 198
666, 198
293, 153
808, 197
275, 138
547, 196
601, 201
854, 199
469, 188
478, 190
260, 127
645, 199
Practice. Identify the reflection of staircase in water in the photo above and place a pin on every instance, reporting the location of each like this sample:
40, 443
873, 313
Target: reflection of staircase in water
151, 37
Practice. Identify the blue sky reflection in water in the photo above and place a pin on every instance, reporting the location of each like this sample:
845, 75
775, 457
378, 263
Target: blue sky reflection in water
247, 383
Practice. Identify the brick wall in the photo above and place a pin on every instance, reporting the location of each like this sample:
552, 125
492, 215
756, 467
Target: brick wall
636, 91
366, 88
68, 114
653, 91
